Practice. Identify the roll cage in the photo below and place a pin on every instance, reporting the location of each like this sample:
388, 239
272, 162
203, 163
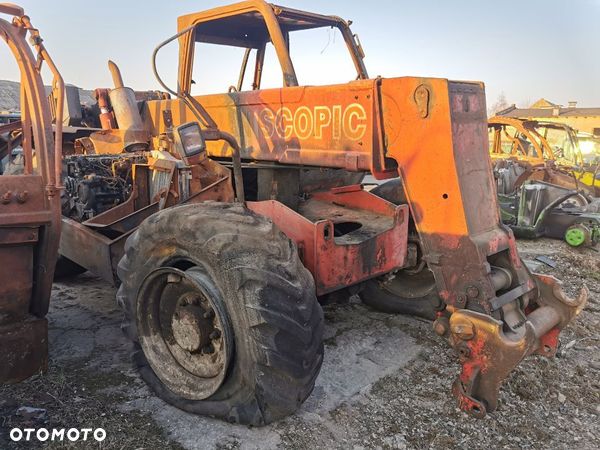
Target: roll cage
252, 25
535, 132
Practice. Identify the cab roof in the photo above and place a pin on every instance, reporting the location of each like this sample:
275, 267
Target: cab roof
243, 25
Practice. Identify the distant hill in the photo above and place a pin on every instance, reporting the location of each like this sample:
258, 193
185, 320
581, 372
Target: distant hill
10, 93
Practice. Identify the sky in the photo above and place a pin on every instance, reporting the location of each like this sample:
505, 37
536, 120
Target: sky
526, 49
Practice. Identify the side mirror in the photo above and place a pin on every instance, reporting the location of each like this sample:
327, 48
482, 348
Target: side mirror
189, 141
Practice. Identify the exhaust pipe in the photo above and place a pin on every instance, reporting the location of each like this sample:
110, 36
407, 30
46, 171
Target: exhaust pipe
123, 102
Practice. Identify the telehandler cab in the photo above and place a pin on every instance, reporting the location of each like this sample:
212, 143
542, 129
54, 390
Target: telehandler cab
220, 276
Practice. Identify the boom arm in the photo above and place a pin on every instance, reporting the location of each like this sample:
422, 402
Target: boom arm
436, 131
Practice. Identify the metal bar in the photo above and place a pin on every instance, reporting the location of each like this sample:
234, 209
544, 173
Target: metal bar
504, 299
12, 126
260, 61
243, 69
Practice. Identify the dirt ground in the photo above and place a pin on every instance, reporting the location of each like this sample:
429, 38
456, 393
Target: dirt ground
385, 383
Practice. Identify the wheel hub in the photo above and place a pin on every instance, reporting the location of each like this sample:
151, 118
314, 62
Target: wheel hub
190, 329
185, 331
577, 235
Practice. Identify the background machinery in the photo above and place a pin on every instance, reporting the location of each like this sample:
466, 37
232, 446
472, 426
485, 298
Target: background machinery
221, 271
545, 185
546, 151
29, 207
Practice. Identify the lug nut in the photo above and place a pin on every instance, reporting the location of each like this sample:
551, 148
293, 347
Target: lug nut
464, 330
215, 334
209, 314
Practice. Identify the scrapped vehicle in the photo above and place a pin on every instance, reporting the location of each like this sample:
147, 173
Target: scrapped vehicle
225, 219
553, 146
30, 213
539, 209
544, 182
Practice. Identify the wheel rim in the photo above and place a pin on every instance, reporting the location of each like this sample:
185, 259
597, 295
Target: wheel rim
576, 236
184, 331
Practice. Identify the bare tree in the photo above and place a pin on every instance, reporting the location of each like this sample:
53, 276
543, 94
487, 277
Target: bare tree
501, 103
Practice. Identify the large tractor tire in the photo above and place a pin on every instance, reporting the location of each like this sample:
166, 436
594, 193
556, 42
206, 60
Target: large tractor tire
222, 313
403, 292
65, 268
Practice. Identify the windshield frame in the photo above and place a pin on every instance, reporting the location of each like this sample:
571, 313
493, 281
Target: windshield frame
278, 22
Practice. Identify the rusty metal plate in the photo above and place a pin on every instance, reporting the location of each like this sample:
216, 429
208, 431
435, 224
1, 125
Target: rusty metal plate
344, 236
16, 252
22, 200
23, 350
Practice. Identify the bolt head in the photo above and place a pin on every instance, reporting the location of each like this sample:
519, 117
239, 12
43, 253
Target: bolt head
7, 197
465, 330
473, 291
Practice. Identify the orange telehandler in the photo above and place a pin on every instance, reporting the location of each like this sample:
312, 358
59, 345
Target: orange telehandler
221, 271
30, 211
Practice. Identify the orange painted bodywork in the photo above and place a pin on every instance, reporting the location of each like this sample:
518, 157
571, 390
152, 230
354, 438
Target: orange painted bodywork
331, 126
378, 126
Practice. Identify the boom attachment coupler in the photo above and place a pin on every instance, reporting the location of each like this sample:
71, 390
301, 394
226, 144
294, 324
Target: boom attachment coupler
489, 351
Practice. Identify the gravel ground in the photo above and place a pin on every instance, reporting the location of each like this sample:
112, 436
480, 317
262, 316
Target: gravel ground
385, 383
